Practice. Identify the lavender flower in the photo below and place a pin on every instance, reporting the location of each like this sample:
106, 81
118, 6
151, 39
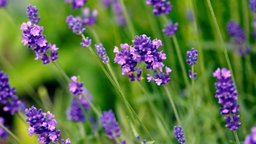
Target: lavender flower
32, 13
75, 112
227, 94
236, 32
192, 56
75, 24
86, 42
42, 124
77, 88
143, 51
170, 29
76, 4
110, 125
160, 6
119, 16
102, 53
3, 3
251, 138
253, 6
89, 18
107, 3
67, 141
179, 134
3, 133
8, 95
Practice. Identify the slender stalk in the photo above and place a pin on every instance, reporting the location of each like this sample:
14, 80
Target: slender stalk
236, 137
220, 36
97, 112
10, 133
182, 63
173, 105
129, 23
61, 71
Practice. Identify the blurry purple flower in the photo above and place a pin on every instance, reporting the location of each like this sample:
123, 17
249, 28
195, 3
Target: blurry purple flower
227, 95
75, 24
179, 134
75, 112
32, 13
3, 3
86, 42
251, 138
102, 53
107, 3
236, 32
8, 96
110, 125
253, 6
3, 133
76, 4
120, 19
244, 51
42, 124
67, 141
77, 88
192, 75
89, 18
160, 6
171, 28
190, 15
192, 56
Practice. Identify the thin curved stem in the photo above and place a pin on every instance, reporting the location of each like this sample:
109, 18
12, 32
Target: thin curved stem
236, 137
10, 133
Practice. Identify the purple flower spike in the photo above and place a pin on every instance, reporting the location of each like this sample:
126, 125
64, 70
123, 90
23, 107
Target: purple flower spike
42, 124
179, 134
251, 138
76, 4
77, 88
3, 3
119, 16
86, 42
192, 75
110, 125
227, 95
171, 28
160, 6
32, 13
89, 18
236, 32
67, 141
102, 53
75, 24
75, 113
107, 3
253, 6
3, 133
8, 95
192, 56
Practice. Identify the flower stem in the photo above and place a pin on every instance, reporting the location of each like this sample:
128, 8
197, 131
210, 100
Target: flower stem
9, 132
61, 72
236, 137
173, 105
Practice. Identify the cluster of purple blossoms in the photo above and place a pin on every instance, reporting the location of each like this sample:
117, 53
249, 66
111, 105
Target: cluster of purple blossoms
239, 37
86, 42
33, 38
3, 3
102, 53
89, 17
110, 125
170, 29
77, 88
8, 96
75, 24
179, 134
191, 60
227, 96
76, 4
119, 16
78, 105
253, 6
251, 138
107, 3
143, 51
44, 125
3, 133
160, 6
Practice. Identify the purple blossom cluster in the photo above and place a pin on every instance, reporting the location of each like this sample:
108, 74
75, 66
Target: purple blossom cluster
110, 125
160, 6
237, 33
253, 6
8, 96
107, 3
101, 51
77, 88
32, 37
75, 24
3, 3
44, 125
170, 29
119, 15
179, 134
191, 60
89, 17
251, 138
3, 133
86, 42
143, 51
227, 96
78, 105
76, 4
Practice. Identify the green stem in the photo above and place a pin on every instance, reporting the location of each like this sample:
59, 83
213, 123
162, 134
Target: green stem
97, 112
236, 137
9, 132
128, 20
220, 36
172, 104
61, 72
